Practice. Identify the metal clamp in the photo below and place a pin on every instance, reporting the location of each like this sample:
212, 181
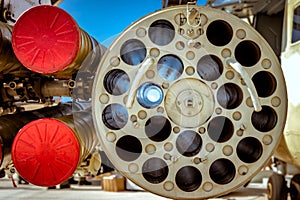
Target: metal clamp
192, 14
138, 77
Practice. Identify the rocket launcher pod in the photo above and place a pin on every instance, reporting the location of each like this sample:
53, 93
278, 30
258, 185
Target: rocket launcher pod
47, 40
11, 124
46, 152
189, 102
8, 61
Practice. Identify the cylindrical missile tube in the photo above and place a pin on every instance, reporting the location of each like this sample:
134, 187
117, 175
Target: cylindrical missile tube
1, 151
11, 124
46, 152
8, 62
47, 40
189, 102
56, 88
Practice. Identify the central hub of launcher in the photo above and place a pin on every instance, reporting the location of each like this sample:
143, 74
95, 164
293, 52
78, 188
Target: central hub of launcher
189, 103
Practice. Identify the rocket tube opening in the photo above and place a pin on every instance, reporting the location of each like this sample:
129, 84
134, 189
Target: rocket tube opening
210, 67
46, 152
116, 82
129, 148
267, 80
158, 128
247, 53
265, 120
222, 171
189, 143
149, 95
220, 129
133, 52
155, 170
115, 116
249, 150
230, 96
170, 67
161, 32
188, 179
219, 33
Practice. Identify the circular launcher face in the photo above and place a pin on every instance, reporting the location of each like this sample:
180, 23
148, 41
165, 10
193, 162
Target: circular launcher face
177, 119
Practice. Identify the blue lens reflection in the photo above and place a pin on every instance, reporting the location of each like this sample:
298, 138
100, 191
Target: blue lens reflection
149, 95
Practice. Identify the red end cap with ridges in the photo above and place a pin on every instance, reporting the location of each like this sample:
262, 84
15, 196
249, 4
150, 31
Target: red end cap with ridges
46, 152
46, 39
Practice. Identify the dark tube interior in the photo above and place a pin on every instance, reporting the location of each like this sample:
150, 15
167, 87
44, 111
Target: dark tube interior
220, 129
265, 120
161, 32
249, 150
222, 171
170, 67
265, 83
128, 148
116, 82
210, 67
219, 33
155, 170
115, 116
189, 143
158, 128
188, 179
247, 53
230, 96
133, 52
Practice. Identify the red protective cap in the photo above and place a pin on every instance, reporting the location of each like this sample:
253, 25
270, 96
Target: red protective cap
46, 39
46, 152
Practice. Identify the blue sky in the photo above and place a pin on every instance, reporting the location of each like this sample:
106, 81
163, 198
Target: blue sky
105, 19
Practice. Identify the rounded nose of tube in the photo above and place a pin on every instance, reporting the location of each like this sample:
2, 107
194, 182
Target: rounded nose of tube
46, 152
46, 39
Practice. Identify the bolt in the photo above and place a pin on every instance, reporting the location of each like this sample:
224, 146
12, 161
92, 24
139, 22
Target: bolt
191, 43
12, 85
190, 31
181, 31
174, 159
136, 125
189, 103
243, 127
12, 170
